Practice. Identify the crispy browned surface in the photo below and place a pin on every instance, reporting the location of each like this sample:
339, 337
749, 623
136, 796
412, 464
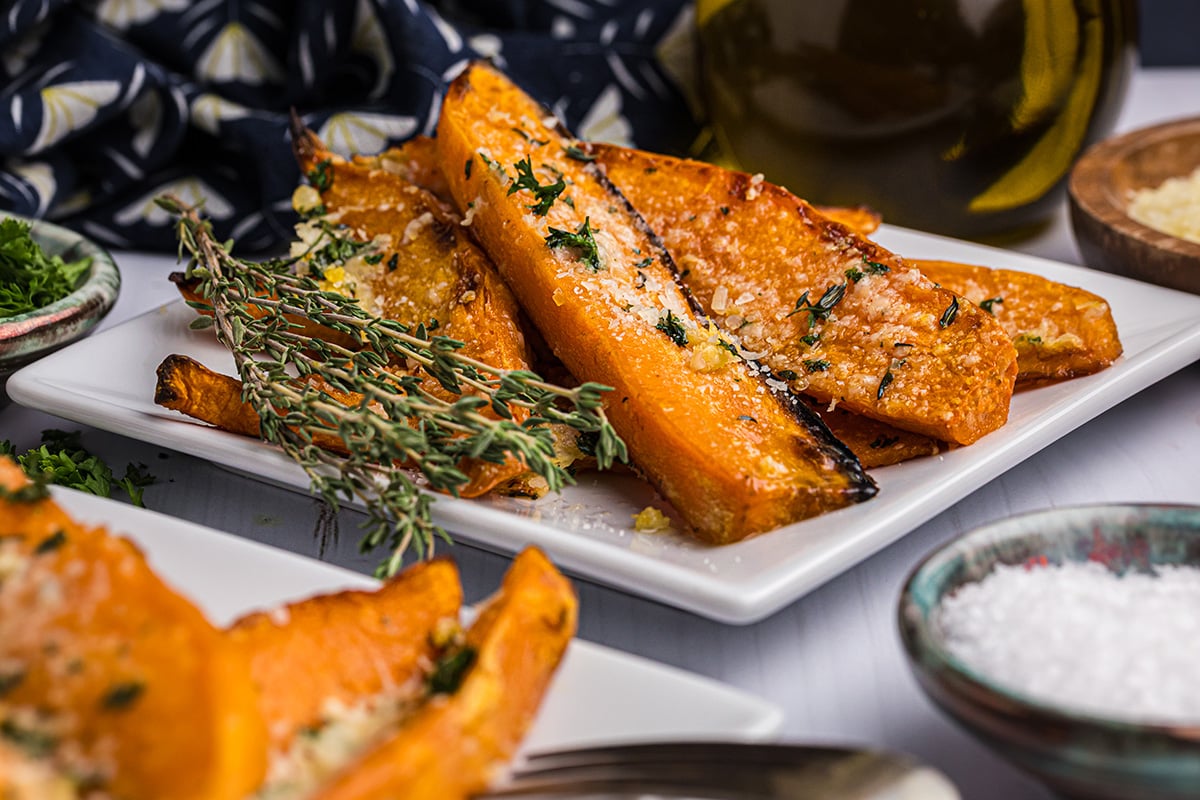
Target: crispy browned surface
416, 162
430, 268
876, 443
187, 386
1059, 331
88, 617
347, 646
749, 250
717, 444
454, 744
859, 219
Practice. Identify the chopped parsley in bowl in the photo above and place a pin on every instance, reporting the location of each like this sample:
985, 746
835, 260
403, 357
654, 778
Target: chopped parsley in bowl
55, 285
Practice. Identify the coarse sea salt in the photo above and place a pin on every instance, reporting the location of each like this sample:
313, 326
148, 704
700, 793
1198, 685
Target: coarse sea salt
1082, 637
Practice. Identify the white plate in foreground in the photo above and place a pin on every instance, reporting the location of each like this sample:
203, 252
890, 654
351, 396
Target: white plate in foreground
598, 696
108, 381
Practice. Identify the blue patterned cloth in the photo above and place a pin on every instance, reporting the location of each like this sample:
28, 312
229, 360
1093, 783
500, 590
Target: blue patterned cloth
109, 103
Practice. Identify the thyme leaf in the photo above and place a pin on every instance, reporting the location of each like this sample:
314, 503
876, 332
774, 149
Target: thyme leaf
949, 314
819, 310
673, 328
986, 305
399, 422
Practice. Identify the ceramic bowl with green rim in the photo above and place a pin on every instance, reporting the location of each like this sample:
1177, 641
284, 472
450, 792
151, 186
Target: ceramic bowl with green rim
28, 336
1078, 752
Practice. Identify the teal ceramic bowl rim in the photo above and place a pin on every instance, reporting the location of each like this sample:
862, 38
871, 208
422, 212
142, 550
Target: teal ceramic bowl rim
927, 655
24, 337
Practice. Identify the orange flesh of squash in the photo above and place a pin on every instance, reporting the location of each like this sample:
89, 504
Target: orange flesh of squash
453, 745
729, 455
144, 690
892, 348
345, 646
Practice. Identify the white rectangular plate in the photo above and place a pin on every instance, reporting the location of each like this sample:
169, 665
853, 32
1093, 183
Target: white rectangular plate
598, 696
108, 381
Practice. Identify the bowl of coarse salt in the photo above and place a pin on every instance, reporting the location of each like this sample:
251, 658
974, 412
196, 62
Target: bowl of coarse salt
1069, 641
1135, 204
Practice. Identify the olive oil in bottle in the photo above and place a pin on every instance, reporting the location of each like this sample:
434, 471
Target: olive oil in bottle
957, 116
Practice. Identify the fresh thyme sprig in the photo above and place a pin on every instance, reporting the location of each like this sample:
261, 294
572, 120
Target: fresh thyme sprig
256, 308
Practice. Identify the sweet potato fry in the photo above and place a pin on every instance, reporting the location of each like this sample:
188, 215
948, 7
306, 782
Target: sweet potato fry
347, 645
833, 314
1059, 331
731, 456
452, 746
108, 672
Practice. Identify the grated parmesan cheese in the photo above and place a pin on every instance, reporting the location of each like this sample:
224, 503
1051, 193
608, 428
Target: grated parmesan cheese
1173, 207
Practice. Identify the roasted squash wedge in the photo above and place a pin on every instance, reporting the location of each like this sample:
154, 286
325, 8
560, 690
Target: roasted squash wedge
834, 315
453, 745
731, 456
108, 672
347, 645
1059, 331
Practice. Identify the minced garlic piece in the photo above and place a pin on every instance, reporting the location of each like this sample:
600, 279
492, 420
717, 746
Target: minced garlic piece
305, 199
651, 520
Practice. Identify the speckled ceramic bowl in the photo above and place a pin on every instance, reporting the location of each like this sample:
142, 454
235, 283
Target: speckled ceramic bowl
1078, 754
26, 337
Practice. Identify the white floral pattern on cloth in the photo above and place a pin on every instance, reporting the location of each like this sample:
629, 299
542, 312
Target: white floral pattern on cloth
106, 103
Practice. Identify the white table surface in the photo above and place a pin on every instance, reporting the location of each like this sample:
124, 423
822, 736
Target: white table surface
832, 660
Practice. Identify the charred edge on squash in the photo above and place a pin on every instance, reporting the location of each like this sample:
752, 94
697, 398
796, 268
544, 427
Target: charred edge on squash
863, 486
165, 390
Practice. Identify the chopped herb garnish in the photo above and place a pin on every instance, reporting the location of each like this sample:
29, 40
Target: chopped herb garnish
650, 170
30, 279
528, 138
581, 240
10, 681
393, 262
833, 295
546, 195
122, 696
29, 493
373, 258
949, 314
50, 543
37, 744
1032, 338
62, 460
321, 176
725, 209
854, 274
570, 201
673, 328
645, 262
724, 345
986, 305
746, 418
874, 267
450, 669
883, 441
578, 153
884, 383
467, 168
810, 338
816, 365
787, 375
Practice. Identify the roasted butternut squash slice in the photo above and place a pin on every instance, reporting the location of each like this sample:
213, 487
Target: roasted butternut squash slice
452, 746
339, 648
730, 455
834, 315
108, 673
1059, 331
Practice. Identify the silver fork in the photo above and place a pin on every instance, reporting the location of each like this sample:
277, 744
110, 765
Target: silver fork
725, 771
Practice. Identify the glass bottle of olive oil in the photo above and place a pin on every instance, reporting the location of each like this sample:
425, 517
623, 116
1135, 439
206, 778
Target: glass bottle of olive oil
957, 116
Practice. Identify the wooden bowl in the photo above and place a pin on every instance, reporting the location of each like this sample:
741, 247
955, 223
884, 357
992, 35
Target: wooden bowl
1100, 188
